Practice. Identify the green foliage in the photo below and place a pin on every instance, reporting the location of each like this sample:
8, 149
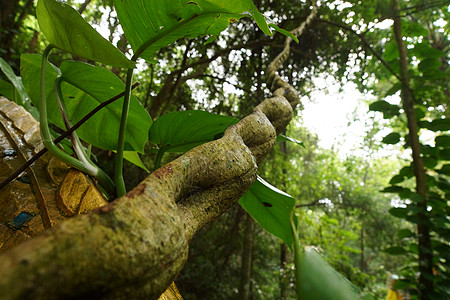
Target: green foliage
152, 25
66, 29
388, 110
318, 280
391, 138
271, 208
85, 87
7, 89
183, 130
17, 89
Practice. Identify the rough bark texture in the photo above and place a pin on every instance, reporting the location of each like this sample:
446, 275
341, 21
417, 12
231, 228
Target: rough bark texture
134, 247
46, 194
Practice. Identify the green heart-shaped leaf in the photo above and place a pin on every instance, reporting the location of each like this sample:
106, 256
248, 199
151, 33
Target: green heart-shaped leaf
183, 130
64, 28
86, 87
151, 25
271, 208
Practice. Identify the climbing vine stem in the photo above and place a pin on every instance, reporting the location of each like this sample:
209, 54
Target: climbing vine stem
88, 168
118, 176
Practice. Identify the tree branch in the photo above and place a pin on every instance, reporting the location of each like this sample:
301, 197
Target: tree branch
365, 43
425, 285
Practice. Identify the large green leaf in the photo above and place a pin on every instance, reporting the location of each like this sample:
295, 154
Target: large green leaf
271, 208
429, 65
442, 141
388, 110
86, 87
134, 158
7, 89
391, 138
64, 28
390, 51
425, 50
395, 250
183, 130
318, 280
16, 81
440, 124
153, 24
412, 28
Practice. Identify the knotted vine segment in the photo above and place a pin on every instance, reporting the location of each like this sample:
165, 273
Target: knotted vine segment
135, 246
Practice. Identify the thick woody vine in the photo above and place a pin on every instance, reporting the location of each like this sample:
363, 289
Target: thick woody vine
136, 245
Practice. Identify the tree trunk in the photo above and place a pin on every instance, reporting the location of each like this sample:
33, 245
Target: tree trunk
83, 6
425, 285
246, 266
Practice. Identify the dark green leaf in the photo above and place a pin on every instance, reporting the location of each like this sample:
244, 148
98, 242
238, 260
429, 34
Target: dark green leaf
16, 81
394, 89
445, 170
274, 217
396, 179
402, 284
283, 138
442, 141
425, 50
405, 233
318, 280
133, 157
411, 28
7, 89
407, 172
395, 250
388, 110
405, 193
398, 212
183, 130
420, 112
391, 138
415, 197
424, 124
284, 32
444, 154
429, 162
390, 51
436, 125
64, 28
148, 31
393, 189
440, 125
428, 150
412, 219
88, 87
413, 248
429, 65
